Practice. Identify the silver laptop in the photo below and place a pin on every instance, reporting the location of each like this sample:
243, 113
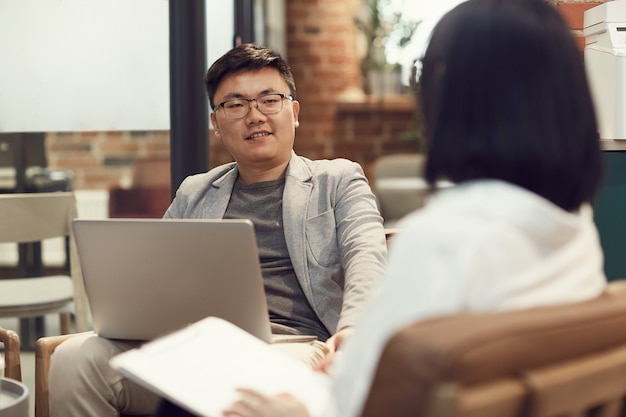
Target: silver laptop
147, 277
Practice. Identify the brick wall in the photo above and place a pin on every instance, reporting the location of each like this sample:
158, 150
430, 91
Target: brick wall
102, 160
321, 49
335, 121
573, 11
105, 160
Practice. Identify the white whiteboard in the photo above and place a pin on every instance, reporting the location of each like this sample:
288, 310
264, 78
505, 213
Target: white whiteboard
84, 65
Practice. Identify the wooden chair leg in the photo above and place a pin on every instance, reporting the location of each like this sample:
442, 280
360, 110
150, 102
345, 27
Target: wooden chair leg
65, 321
11, 342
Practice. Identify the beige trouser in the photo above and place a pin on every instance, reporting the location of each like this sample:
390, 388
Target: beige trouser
82, 384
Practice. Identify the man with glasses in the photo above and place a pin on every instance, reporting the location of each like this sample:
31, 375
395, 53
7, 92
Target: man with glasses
320, 236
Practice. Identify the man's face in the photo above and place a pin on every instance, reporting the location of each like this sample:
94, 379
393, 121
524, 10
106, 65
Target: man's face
258, 140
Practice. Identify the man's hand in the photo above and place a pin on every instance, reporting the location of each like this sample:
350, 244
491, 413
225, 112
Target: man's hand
255, 404
333, 344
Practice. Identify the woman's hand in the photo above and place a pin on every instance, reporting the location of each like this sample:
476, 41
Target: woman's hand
255, 404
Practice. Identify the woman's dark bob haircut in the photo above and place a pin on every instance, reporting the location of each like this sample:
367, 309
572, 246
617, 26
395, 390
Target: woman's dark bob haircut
505, 96
243, 58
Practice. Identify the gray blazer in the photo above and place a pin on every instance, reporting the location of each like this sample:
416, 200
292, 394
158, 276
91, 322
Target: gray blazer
333, 229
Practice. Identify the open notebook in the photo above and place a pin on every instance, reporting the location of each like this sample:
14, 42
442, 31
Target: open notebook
200, 366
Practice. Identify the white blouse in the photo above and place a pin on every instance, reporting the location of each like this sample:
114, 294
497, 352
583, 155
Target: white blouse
479, 246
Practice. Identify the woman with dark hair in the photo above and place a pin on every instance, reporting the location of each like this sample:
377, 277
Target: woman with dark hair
505, 97
510, 122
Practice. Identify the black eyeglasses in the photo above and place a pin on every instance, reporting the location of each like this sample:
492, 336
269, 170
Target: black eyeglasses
266, 104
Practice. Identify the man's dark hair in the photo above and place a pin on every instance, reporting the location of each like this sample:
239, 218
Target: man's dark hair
246, 57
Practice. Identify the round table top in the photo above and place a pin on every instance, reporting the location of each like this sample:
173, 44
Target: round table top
13, 398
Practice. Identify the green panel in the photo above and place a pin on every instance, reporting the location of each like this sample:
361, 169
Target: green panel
610, 215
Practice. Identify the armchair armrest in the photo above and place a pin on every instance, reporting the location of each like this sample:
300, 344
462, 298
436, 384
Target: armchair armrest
44, 347
11, 342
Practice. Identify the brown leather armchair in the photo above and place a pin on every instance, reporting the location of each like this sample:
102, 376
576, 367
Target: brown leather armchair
567, 360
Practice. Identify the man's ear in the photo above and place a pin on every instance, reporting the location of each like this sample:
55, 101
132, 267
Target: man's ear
296, 112
214, 124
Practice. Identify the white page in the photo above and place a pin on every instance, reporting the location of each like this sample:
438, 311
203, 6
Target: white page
200, 366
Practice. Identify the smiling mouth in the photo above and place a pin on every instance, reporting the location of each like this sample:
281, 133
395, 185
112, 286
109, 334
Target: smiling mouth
258, 135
